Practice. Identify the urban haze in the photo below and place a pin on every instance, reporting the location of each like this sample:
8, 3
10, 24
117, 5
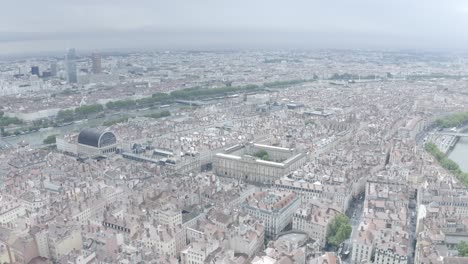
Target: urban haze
234, 132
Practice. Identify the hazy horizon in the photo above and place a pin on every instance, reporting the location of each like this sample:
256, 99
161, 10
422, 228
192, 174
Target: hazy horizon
209, 24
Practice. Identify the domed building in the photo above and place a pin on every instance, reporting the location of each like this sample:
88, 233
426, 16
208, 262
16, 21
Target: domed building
93, 142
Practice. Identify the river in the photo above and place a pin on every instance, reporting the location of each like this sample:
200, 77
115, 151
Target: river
459, 154
36, 138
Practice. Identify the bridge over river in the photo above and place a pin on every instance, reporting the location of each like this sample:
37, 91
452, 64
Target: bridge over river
453, 134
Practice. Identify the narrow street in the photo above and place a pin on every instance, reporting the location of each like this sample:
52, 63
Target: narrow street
412, 217
354, 214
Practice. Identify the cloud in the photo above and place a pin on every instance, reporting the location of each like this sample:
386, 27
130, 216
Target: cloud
396, 23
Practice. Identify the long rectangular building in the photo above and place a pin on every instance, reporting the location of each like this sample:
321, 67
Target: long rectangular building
257, 163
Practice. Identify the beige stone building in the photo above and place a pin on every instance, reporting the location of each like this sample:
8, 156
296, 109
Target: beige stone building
63, 240
198, 252
257, 163
275, 209
314, 220
247, 237
341, 195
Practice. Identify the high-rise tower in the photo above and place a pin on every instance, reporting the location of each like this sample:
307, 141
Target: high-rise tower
53, 69
35, 70
96, 60
71, 66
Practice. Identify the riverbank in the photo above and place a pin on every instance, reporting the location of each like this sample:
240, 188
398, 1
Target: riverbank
37, 137
459, 154
447, 163
452, 146
444, 143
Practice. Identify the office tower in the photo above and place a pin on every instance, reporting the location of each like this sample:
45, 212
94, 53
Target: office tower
96, 60
46, 74
53, 69
71, 66
35, 70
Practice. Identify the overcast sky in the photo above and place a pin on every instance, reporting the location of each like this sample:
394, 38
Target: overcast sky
28, 26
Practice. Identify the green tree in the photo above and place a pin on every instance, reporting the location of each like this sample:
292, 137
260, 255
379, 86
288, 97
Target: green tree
192, 93
159, 114
6, 121
283, 83
463, 249
262, 154
65, 115
121, 104
52, 139
86, 110
453, 120
339, 230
